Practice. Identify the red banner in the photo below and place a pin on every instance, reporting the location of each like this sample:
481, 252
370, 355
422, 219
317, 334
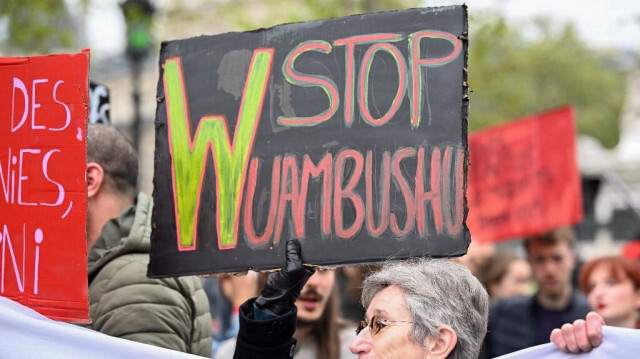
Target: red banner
523, 177
43, 193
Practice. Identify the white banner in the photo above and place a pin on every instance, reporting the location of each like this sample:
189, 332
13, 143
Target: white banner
617, 343
26, 334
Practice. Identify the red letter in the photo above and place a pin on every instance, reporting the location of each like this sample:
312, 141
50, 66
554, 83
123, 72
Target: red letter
417, 63
289, 178
296, 78
255, 240
363, 89
406, 192
349, 74
433, 195
308, 169
383, 192
453, 226
347, 192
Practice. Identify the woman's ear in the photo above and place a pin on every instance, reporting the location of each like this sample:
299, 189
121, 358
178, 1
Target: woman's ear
95, 178
441, 346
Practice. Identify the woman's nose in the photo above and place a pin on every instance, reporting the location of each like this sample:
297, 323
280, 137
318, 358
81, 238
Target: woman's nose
361, 344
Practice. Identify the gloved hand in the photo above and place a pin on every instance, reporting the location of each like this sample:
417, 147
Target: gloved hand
282, 288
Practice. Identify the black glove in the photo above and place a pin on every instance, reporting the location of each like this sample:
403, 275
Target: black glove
282, 288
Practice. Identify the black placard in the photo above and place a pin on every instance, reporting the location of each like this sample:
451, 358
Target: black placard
349, 134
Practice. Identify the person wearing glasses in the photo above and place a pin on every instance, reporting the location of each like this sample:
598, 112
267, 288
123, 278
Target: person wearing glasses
419, 309
320, 331
427, 308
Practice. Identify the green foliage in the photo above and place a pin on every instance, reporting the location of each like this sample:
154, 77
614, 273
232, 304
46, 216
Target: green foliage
253, 14
512, 75
513, 71
37, 26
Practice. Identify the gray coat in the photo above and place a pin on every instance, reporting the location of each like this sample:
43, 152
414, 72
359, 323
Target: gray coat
172, 312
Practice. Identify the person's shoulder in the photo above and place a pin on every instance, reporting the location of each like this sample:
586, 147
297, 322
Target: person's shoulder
515, 303
129, 268
579, 304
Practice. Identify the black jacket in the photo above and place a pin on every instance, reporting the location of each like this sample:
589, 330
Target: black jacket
513, 323
268, 339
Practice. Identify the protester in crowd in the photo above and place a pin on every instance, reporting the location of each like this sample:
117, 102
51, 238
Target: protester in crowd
477, 255
612, 285
519, 322
505, 274
613, 288
350, 281
226, 292
425, 307
172, 312
320, 332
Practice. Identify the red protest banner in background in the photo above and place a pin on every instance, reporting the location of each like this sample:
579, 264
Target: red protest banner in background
523, 177
43, 194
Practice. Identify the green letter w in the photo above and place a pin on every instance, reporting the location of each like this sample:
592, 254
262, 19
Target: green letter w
188, 156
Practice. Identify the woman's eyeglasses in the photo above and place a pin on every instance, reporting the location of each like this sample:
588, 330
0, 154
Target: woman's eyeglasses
377, 323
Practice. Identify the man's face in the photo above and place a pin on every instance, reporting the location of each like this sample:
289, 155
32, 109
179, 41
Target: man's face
315, 294
392, 339
552, 265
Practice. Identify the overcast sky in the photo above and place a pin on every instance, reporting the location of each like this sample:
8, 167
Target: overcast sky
601, 23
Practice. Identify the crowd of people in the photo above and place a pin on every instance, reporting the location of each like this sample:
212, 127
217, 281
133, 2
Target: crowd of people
415, 309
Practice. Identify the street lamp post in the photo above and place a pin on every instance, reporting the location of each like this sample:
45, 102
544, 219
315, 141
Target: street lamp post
138, 16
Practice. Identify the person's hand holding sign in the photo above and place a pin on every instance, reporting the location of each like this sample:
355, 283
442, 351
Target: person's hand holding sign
283, 287
581, 336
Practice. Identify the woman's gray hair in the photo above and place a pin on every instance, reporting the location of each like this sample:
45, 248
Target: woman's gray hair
438, 292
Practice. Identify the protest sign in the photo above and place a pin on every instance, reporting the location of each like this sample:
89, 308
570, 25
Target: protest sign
524, 178
99, 105
43, 114
348, 134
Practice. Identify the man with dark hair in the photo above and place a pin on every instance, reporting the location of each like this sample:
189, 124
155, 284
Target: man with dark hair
320, 332
524, 321
171, 313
